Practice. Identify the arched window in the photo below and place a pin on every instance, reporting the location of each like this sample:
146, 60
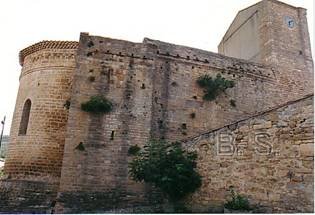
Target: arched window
25, 117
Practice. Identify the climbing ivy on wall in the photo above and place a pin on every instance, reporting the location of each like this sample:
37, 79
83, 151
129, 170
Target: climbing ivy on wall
213, 86
97, 104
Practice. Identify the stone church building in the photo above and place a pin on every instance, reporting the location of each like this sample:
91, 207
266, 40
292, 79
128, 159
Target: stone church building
257, 137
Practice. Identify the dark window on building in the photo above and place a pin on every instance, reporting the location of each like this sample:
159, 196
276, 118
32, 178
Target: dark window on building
25, 117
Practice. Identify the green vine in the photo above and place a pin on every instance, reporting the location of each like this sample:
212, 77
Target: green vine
213, 87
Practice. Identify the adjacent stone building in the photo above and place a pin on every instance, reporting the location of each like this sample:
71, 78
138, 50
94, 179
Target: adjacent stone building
267, 134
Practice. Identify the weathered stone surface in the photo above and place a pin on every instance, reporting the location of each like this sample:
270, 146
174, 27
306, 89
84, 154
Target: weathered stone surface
153, 88
20, 196
263, 125
45, 80
307, 150
274, 173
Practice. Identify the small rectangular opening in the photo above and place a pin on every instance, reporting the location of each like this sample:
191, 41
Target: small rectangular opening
112, 135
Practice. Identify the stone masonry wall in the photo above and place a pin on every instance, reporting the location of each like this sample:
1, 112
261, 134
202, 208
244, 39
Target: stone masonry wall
154, 91
122, 72
46, 80
283, 46
268, 158
24, 196
176, 94
155, 95
262, 34
33, 162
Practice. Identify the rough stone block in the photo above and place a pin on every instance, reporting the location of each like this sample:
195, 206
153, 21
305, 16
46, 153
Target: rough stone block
307, 150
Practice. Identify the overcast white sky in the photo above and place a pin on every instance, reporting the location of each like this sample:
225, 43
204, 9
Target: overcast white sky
196, 23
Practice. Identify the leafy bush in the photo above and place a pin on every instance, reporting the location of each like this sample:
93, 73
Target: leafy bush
238, 202
168, 167
80, 147
1, 172
233, 103
181, 208
213, 87
133, 150
67, 104
97, 104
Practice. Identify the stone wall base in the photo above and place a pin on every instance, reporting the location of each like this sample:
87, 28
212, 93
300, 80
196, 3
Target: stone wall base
110, 201
20, 196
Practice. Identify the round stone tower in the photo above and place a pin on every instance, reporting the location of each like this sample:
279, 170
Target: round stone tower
41, 111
